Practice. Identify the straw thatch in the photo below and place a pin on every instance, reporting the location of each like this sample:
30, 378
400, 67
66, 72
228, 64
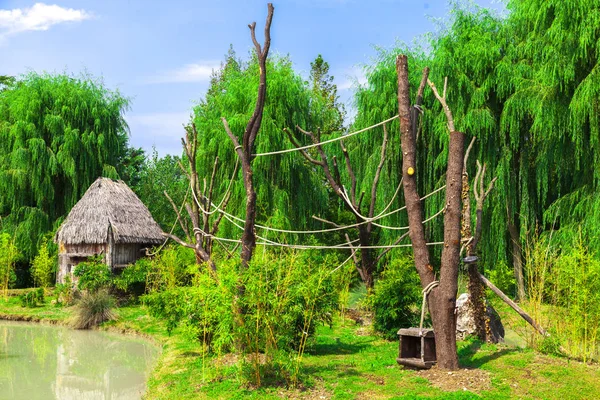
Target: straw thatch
109, 203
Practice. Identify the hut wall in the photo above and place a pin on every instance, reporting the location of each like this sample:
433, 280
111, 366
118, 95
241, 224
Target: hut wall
69, 255
125, 253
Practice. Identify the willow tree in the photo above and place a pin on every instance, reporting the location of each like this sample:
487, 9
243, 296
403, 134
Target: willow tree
528, 87
58, 133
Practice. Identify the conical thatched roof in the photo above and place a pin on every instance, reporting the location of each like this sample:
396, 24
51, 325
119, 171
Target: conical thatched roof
111, 203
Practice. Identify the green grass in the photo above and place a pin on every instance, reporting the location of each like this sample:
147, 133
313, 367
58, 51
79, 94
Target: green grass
342, 363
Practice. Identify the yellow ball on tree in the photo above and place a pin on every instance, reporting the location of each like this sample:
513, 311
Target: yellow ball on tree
410, 171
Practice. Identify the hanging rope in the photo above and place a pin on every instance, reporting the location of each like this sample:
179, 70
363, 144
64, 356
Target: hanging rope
337, 228
426, 292
344, 137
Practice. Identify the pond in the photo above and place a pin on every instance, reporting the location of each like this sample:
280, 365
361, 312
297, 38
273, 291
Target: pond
52, 362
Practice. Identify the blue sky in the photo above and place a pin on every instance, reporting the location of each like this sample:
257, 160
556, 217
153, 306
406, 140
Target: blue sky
161, 53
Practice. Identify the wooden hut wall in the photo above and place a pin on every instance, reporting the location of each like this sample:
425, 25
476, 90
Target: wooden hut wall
125, 253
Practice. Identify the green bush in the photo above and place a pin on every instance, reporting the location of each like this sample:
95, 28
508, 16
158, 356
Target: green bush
133, 278
92, 275
64, 292
43, 266
32, 298
93, 309
396, 298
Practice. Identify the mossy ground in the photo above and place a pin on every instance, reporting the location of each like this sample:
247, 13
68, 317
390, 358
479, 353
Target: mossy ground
345, 362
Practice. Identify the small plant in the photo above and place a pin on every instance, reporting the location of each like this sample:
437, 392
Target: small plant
9, 255
64, 292
93, 309
42, 267
93, 275
32, 298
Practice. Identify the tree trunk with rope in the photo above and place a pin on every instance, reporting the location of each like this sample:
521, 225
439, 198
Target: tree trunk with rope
442, 299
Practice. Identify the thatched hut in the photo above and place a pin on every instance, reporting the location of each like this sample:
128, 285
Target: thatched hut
109, 220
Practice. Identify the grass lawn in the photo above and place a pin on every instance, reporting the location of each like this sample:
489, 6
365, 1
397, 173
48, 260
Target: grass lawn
346, 362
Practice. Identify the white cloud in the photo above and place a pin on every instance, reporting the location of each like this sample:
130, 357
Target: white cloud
200, 72
40, 17
353, 76
163, 130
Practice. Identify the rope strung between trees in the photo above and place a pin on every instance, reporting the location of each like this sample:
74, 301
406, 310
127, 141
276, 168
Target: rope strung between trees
337, 228
314, 247
326, 141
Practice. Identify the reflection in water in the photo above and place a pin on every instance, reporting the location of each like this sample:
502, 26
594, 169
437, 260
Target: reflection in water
47, 362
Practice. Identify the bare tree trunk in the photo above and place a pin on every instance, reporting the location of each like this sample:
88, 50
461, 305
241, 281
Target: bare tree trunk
245, 150
442, 300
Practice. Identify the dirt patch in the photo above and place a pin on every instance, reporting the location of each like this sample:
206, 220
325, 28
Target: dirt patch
318, 392
474, 380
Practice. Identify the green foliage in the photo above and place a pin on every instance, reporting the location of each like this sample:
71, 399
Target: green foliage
156, 176
9, 255
92, 275
93, 309
285, 297
32, 298
43, 267
396, 298
174, 266
64, 292
133, 278
58, 133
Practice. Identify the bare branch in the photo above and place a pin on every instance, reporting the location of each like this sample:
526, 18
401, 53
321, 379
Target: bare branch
378, 173
176, 239
183, 227
302, 151
442, 101
385, 251
350, 173
467, 154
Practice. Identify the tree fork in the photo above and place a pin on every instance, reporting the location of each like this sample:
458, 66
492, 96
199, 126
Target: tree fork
442, 300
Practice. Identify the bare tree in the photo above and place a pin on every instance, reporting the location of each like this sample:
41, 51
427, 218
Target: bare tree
245, 149
200, 236
352, 201
475, 286
442, 299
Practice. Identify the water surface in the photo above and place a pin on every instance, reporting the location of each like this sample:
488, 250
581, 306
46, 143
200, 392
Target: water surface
51, 362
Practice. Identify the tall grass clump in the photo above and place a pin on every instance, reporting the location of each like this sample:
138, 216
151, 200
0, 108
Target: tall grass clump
564, 296
93, 309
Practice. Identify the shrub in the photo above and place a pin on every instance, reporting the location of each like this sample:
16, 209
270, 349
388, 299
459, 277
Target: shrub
9, 255
93, 309
396, 298
285, 297
64, 292
93, 275
32, 298
42, 267
133, 278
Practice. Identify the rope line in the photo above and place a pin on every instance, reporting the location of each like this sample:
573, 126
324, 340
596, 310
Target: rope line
337, 228
327, 141
314, 247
